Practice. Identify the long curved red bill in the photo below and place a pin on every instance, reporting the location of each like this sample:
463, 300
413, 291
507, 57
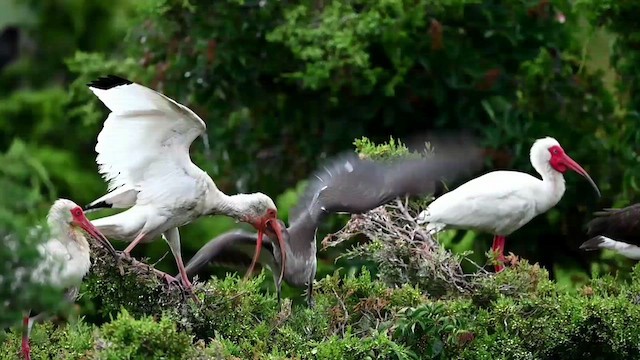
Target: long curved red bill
283, 253
571, 164
256, 255
87, 226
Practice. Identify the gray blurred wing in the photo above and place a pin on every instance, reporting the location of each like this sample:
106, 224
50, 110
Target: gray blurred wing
233, 249
349, 184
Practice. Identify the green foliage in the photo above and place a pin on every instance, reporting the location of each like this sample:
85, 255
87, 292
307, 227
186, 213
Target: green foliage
246, 310
427, 329
138, 290
352, 347
22, 179
389, 150
72, 341
525, 316
129, 338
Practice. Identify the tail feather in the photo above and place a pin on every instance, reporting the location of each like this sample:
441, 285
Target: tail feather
94, 206
120, 199
602, 242
595, 243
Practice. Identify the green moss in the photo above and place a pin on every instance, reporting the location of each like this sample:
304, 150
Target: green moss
130, 338
70, 341
522, 315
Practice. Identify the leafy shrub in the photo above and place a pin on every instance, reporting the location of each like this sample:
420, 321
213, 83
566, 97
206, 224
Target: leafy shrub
72, 341
130, 338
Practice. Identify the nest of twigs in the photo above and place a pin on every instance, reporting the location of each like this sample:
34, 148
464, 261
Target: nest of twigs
404, 251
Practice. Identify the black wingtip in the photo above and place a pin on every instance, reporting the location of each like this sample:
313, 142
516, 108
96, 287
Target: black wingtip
108, 82
592, 244
100, 205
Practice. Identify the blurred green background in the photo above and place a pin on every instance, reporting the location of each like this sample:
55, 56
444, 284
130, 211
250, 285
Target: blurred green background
283, 85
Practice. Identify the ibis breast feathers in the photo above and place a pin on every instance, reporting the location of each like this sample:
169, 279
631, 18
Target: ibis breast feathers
63, 265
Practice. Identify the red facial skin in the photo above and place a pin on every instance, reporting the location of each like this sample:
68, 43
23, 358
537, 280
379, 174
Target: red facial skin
561, 162
80, 220
270, 219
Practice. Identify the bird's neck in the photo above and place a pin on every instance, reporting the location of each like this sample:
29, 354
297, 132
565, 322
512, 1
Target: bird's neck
69, 235
236, 206
553, 187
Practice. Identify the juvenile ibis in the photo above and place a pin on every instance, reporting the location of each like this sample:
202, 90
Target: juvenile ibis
500, 202
617, 230
143, 154
346, 184
65, 257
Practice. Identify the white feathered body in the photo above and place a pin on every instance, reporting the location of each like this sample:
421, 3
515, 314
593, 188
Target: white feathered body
64, 264
183, 199
498, 202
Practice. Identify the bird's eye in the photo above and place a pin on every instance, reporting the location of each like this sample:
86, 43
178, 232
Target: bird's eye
76, 212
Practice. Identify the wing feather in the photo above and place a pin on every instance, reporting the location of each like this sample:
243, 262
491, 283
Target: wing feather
350, 184
231, 248
620, 224
146, 133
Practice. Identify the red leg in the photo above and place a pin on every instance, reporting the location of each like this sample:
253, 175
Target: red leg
26, 349
498, 246
173, 239
127, 251
183, 273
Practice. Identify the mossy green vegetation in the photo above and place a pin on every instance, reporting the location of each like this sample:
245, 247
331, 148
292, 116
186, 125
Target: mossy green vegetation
517, 314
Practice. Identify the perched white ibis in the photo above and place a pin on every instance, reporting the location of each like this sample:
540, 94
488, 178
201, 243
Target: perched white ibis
617, 230
500, 202
143, 153
347, 184
65, 256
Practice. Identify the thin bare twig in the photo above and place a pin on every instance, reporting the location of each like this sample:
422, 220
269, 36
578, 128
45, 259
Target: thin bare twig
405, 252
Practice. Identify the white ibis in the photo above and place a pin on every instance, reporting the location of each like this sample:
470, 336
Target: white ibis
65, 256
143, 153
500, 202
617, 230
347, 184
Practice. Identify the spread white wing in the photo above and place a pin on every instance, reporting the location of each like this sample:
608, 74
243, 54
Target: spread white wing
143, 148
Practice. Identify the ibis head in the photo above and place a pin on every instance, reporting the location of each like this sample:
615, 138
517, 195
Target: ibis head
67, 213
263, 215
547, 155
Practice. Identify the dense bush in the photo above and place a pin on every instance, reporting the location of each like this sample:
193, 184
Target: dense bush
517, 314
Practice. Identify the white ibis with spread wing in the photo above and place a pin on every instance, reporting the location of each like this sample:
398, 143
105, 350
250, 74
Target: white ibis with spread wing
66, 257
501, 202
143, 153
347, 184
